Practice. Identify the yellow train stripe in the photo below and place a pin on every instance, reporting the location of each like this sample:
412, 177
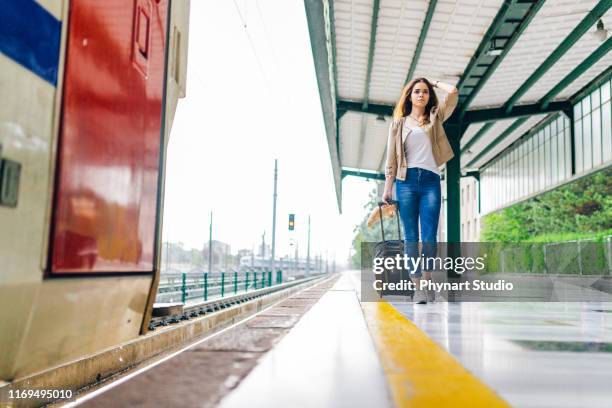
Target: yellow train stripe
420, 372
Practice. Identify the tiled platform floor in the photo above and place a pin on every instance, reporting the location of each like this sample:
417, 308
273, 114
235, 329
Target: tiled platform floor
532, 354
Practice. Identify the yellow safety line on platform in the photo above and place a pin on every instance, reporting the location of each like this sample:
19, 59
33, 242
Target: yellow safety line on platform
420, 372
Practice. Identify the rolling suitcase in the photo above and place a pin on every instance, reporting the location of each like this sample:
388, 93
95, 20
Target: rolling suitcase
389, 249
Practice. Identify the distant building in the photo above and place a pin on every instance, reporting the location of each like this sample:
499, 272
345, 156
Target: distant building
220, 253
470, 214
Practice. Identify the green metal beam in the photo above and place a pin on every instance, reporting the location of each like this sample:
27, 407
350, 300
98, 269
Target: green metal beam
586, 23
363, 174
375, 109
319, 28
373, 27
424, 30
475, 174
481, 132
493, 114
497, 140
366, 91
500, 19
576, 72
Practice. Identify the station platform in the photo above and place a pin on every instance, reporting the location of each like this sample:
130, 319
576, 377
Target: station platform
322, 347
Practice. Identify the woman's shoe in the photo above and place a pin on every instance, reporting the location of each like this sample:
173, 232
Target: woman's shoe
420, 298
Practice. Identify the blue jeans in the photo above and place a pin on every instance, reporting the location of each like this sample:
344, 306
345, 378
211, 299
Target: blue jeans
419, 198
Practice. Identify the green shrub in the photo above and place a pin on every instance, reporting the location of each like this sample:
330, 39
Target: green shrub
581, 209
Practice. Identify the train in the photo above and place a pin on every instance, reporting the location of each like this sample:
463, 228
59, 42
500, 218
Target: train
89, 91
260, 263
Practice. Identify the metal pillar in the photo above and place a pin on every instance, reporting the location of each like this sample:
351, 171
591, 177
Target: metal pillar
210, 244
274, 215
453, 177
570, 114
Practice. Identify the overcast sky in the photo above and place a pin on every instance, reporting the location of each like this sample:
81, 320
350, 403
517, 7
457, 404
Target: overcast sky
252, 97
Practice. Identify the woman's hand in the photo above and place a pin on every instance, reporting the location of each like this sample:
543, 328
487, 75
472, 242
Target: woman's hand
387, 195
388, 190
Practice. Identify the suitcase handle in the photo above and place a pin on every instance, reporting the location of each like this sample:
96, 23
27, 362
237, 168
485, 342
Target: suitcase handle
382, 228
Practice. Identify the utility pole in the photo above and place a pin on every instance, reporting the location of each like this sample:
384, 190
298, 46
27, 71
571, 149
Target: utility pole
308, 249
167, 255
263, 245
274, 215
210, 244
252, 255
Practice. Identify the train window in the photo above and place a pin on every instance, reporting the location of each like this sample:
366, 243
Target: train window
141, 37
142, 32
9, 182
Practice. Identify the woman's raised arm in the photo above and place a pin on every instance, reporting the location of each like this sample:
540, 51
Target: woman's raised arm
448, 104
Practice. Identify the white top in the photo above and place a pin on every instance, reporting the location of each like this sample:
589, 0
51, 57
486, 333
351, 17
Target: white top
417, 148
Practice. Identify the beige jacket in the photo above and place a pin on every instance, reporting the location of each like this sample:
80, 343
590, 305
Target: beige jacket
441, 149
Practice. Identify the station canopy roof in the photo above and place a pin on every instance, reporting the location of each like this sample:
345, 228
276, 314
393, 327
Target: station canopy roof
515, 62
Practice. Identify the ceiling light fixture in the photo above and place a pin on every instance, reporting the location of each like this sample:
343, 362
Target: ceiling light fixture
601, 33
494, 50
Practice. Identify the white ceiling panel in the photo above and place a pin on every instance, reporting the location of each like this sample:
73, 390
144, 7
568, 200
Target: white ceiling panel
573, 57
586, 77
456, 30
493, 133
470, 132
350, 132
375, 144
550, 26
352, 24
487, 138
399, 26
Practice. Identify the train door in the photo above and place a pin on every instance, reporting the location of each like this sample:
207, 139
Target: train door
106, 198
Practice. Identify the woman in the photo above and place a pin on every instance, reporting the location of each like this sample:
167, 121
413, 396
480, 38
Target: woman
416, 147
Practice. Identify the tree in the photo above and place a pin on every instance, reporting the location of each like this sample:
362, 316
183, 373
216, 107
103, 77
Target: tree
374, 234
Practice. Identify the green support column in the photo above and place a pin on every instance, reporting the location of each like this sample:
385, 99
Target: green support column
235, 282
453, 202
184, 287
570, 114
269, 278
453, 176
206, 286
222, 284
246, 282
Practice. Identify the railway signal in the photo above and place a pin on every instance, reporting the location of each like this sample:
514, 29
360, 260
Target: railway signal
291, 222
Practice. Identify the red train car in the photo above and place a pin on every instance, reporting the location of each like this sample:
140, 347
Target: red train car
90, 89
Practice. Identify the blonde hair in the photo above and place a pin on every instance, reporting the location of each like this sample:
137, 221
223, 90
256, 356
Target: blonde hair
404, 104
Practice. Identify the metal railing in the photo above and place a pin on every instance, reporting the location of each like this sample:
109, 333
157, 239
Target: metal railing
188, 287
